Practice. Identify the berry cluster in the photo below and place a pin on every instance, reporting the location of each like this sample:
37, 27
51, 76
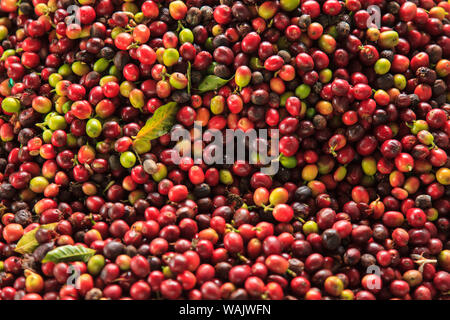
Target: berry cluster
357, 89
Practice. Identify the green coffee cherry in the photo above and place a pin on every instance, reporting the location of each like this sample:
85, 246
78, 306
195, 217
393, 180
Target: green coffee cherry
3, 32
289, 5
419, 125
71, 140
93, 128
170, 57
288, 162
161, 173
65, 70
310, 112
101, 65
7, 53
113, 71
57, 122
186, 35
332, 31
11, 105
141, 146
267, 10
80, 68
139, 17
116, 31
217, 104
135, 196
310, 227
400, 81
382, 66
125, 88
340, 174
369, 166
211, 67
303, 91
127, 159
425, 137
137, 99
388, 39
38, 184
47, 136
66, 107
96, 264
325, 75
48, 116
178, 80
209, 44
54, 78
225, 177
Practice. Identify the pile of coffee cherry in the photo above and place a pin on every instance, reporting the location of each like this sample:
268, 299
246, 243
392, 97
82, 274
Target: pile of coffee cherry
94, 205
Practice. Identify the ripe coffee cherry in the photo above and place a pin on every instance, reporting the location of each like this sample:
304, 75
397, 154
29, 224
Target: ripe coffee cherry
178, 193
293, 106
288, 145
283, 213
416, 217
233, 242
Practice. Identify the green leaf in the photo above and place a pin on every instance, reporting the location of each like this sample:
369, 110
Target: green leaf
189, 77
69, 253
211, 83
160, 123
28, 242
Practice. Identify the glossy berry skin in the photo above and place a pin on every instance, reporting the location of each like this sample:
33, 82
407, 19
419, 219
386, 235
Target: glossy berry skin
178, 193
416, 217
283, 213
